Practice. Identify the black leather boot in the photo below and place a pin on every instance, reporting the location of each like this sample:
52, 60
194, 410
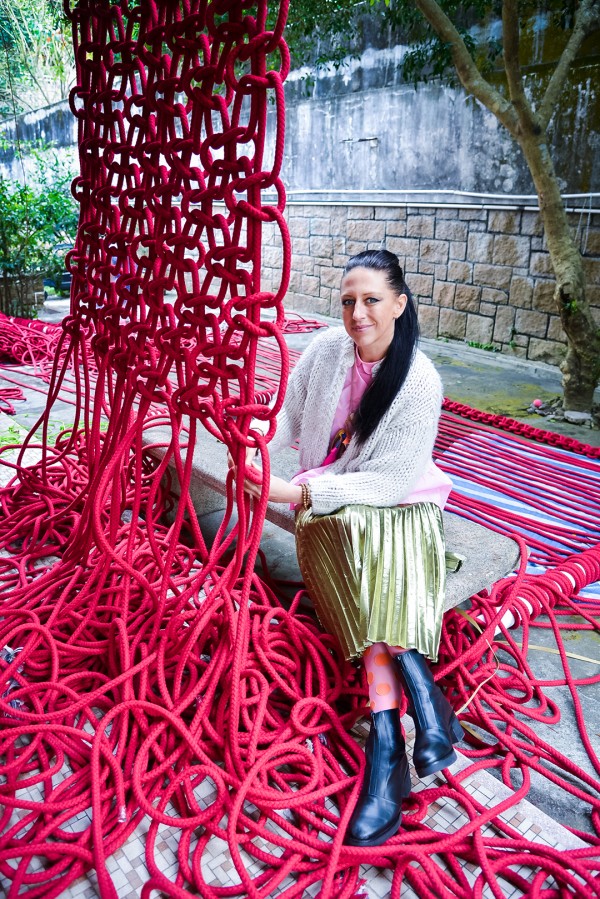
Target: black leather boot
436, 725
386, 783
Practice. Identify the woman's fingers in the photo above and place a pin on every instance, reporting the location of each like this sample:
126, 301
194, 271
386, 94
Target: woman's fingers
252, 488
253, 475
250, 457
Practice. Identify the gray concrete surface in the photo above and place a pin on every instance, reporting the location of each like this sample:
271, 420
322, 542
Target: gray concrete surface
503, 385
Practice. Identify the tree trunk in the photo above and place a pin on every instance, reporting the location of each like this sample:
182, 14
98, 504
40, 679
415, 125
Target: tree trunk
581, 366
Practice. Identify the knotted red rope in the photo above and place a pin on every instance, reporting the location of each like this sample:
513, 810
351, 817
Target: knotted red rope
6, 395
504, 422
159, 679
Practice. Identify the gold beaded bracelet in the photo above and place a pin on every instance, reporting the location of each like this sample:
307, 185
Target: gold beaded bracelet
306, 498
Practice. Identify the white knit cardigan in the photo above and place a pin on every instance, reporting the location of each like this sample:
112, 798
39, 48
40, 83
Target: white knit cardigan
382, 471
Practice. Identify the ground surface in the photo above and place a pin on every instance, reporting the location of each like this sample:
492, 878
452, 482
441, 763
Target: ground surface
487, 382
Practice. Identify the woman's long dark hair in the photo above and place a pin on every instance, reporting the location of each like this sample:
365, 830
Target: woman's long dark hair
392, 372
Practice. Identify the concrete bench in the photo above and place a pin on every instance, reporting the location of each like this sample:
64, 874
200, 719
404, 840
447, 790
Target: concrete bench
488, 556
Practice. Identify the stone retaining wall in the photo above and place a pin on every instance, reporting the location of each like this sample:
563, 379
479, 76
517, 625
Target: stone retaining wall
478, 275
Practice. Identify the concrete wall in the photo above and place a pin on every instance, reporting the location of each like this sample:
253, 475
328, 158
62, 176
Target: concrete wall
477, 275
480, 275
361, 126
55, 125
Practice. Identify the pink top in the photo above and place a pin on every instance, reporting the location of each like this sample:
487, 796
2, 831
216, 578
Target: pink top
433, 486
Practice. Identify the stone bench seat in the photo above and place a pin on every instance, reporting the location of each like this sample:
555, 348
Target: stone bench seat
488, 556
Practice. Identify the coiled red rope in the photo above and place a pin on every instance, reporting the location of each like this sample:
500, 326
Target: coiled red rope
151, 677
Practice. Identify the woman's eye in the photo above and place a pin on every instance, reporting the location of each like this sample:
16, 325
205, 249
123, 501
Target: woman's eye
347, 302
372, 300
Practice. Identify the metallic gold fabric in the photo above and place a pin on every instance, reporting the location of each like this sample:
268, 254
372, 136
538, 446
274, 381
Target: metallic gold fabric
376, 574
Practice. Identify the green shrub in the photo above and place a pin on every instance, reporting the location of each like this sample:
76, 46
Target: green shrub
36, 218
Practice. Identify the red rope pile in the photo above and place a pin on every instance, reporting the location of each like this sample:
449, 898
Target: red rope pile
511, 486
27, 341
505, 423
145, 676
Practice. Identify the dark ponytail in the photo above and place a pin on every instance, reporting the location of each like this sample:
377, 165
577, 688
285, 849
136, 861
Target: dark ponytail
392, 372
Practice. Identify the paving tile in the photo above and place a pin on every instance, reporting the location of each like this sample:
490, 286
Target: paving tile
128, 868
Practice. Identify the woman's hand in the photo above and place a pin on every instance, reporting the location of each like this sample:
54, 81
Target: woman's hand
250, 457
280, 491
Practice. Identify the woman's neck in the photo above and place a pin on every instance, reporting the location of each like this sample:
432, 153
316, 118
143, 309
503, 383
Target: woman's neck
367, 357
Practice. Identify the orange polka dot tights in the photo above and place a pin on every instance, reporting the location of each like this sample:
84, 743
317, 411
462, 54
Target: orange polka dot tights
385, 691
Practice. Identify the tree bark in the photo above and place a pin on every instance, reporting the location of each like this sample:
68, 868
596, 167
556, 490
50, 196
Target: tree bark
581, 366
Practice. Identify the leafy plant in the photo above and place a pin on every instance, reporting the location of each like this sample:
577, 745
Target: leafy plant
36, 218
490, 347
36, 55
12, 436
321, 32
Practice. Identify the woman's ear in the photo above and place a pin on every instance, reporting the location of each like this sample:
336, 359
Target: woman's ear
401, 301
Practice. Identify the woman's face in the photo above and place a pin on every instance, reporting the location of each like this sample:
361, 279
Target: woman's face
370, 308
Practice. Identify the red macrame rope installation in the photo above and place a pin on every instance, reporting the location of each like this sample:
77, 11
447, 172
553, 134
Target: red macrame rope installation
148, 677
505, 423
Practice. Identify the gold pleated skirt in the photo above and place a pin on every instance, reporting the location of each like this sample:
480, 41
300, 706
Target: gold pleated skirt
376, 574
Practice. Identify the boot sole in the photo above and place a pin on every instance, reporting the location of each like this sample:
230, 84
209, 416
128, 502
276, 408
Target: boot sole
456, 734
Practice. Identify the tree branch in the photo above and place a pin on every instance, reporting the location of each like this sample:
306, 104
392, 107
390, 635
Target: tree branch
587, 20
470, 77
512, 64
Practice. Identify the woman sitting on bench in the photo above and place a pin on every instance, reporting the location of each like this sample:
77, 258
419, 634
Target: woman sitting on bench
364, 404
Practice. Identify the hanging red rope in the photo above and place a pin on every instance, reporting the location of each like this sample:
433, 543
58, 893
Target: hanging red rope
146, 675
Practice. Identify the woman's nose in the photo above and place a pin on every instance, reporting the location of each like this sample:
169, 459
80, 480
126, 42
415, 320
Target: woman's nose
358, 311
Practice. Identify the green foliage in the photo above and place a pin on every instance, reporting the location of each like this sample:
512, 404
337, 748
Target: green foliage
427, 56
36, 55
490, 347
14, 435
35, 218
320, 33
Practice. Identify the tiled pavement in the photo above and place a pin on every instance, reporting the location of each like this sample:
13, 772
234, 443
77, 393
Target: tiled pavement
128, 871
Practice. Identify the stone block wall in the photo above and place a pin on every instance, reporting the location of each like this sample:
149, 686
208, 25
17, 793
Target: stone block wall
478, 275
